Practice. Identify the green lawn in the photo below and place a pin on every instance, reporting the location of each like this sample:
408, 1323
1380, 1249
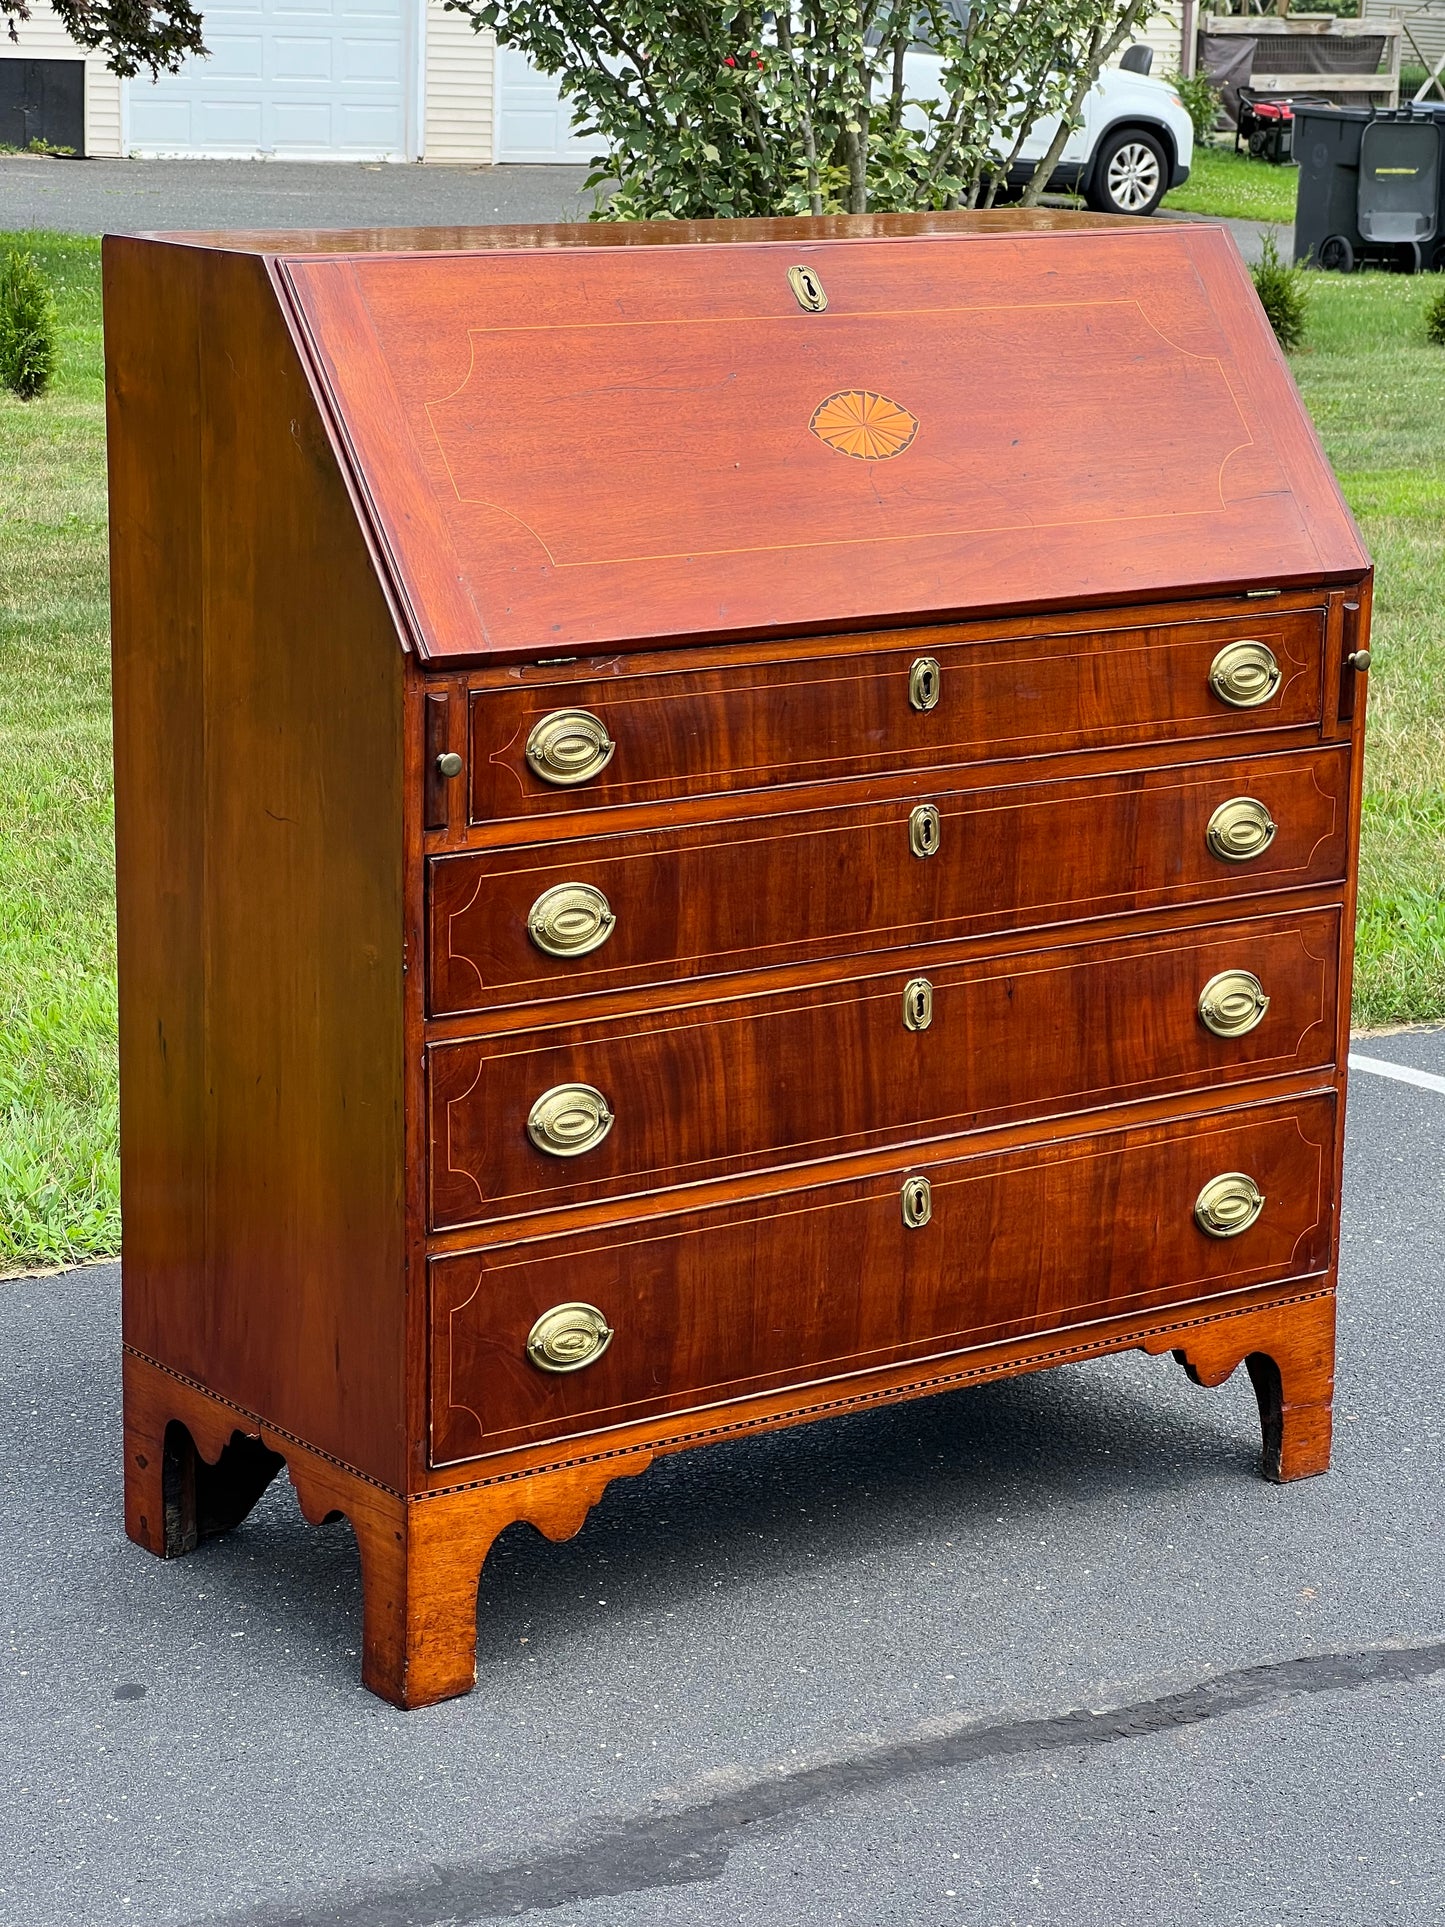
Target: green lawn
58, 1188
1223, 182
1377, 391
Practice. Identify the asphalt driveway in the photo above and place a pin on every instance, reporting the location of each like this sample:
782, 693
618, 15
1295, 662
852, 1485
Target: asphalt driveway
1045, 1651
133, 197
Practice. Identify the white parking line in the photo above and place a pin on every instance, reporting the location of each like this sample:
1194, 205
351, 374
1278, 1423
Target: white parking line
1427, 1080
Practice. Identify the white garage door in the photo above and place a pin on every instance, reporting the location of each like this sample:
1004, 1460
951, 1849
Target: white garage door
295, 78
534, 123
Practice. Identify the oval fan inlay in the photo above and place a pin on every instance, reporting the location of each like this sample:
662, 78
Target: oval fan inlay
866, 426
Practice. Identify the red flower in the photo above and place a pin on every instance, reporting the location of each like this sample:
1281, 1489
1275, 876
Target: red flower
730, 62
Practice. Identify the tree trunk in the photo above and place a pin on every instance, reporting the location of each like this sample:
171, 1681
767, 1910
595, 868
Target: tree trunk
810, 141
856, 146
1088, 74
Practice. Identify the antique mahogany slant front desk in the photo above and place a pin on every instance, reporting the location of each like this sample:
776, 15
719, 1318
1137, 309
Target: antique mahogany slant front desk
717, 824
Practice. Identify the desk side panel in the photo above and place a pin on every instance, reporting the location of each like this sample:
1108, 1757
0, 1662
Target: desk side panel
261, 872
153, 409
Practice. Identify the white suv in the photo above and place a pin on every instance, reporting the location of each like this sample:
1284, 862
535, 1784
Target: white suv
1135, 141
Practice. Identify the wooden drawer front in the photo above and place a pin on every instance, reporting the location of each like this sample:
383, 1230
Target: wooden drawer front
690, 731
717, 897
723, 1088
813, 1284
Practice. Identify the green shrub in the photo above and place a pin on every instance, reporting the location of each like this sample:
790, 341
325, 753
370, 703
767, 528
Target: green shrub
27, 327
1282, 294
718, 108
1201, 102
1435, 319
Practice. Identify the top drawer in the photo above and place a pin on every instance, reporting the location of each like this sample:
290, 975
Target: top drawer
634, 734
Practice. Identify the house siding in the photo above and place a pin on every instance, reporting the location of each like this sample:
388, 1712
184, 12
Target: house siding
460, 84
460, 76
1163, 32
1425, 25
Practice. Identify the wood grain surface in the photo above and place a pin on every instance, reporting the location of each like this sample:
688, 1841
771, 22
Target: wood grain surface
771, 1081
829, 1280
421, 1557
688, 732
742, 893
531, 238
259, 809
559, 461
382, 499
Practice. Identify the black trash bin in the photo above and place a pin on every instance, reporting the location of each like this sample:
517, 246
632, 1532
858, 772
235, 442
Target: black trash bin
1400, 179
1371, 186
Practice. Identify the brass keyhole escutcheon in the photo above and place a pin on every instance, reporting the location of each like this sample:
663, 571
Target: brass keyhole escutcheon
1240, 829
917, 1202
807, 289
1244, 674
924, 826
917, 1004
568, 1337
925, 683
569, 746
1232, 1003
569, 1119
1228, 1205
570, 920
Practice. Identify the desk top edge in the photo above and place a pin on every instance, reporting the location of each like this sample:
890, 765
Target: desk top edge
975, 223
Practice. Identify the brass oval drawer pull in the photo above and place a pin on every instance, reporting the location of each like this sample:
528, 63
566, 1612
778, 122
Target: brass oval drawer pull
568, 1120
568, 1337
1228, 1205
1240, 829
570, 920
925, 683
1232, 1003
924, 826
917, 1004
1244, 674
917, 1202
569, 746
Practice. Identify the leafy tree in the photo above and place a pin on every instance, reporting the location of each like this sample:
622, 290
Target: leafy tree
728, 107
156, 34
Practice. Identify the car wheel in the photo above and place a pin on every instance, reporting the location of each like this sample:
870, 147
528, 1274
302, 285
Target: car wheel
1336, 254
1130, 173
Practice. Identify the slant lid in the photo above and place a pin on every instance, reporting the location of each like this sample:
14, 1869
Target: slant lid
576, 448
